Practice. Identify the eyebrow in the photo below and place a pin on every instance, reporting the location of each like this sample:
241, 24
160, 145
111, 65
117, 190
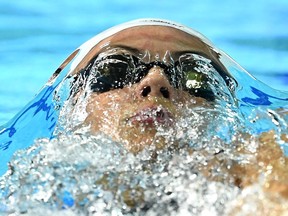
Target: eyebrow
124, 47
183, 52
136, 52
177, 54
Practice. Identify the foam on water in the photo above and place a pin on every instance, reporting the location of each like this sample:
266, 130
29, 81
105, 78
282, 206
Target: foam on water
92, 175
81, 174
225, 158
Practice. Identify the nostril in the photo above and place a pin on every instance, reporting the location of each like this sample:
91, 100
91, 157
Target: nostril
146, 90
165, 92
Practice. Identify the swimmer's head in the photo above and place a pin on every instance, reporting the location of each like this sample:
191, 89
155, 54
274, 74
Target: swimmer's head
136, 77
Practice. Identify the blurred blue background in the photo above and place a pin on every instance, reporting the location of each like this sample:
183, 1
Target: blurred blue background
37, 35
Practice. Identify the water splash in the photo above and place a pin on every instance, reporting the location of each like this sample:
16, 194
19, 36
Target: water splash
80, 174
225, 159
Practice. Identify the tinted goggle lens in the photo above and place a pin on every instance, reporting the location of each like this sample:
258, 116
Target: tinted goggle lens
117, 71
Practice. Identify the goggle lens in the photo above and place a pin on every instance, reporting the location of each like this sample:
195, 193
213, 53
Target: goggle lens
109, 72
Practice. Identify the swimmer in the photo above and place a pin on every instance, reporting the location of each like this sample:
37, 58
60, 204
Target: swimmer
141, 78
136, 82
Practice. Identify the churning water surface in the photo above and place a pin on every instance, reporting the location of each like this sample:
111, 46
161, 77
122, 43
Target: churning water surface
225, 159
229, 159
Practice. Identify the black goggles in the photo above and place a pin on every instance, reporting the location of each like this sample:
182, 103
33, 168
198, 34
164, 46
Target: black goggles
120, 70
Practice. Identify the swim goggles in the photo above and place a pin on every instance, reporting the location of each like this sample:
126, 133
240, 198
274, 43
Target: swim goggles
191, 73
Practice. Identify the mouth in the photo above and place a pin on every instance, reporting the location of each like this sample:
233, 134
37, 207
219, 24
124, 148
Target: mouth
152, 116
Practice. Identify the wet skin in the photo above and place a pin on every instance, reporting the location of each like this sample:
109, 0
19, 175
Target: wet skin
131, 115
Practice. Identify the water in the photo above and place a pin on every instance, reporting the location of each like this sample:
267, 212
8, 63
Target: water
227, 157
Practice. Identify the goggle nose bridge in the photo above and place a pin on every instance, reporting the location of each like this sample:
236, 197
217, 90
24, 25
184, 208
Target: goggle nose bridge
168, 71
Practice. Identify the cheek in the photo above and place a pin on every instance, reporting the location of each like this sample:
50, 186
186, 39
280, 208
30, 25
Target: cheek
185, 99
104, 109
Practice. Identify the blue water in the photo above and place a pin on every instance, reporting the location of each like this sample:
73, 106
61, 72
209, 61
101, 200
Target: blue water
74, 170
36, 36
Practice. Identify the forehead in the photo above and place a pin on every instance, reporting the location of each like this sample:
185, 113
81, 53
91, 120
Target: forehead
155, 39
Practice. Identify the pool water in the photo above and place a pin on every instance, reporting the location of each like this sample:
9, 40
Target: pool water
207, 172
203, 169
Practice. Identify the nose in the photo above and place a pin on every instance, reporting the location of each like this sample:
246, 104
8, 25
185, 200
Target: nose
155, 84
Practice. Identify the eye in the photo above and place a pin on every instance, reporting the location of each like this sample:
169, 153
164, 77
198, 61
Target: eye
192, 78
111, 72
195, 81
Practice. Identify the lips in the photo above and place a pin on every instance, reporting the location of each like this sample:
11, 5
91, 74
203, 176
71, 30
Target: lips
152, 116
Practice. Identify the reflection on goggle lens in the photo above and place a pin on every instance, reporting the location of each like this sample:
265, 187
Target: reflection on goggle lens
113, 71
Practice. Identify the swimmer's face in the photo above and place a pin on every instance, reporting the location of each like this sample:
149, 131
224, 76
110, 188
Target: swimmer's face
131, 110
